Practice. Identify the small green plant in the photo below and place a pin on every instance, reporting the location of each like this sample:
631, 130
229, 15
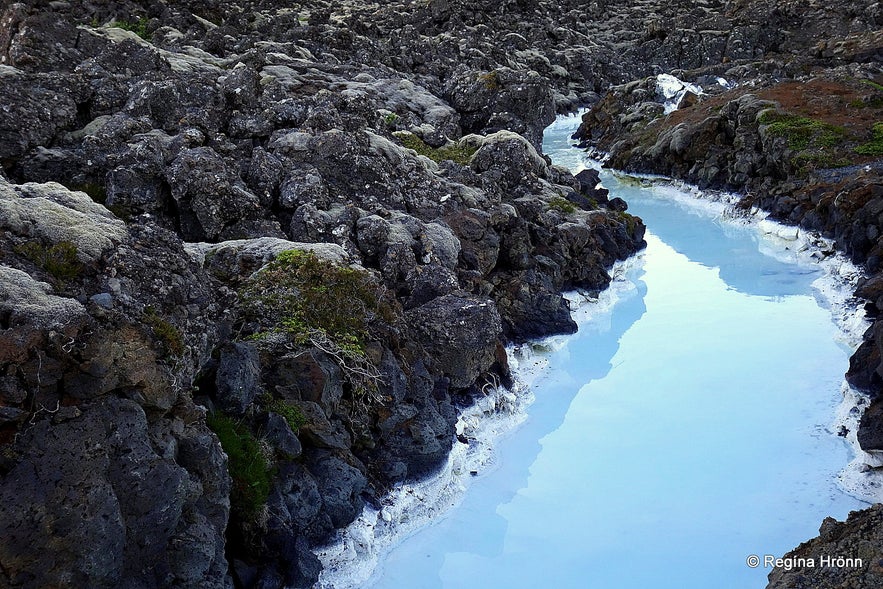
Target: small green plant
168, 334
59, 260
491, 80
563, 205
875, 145
821, 160
391, 119
457, 154
802, 132
247, 463
873, 84
291, 413
139, 27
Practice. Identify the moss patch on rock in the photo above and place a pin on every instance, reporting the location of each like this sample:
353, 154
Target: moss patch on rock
803, 132
874, 147
562, 205
59, 260
169, 335
453, 152
247, 463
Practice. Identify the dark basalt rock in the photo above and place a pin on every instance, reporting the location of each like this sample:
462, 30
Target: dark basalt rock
103, 478
241, 125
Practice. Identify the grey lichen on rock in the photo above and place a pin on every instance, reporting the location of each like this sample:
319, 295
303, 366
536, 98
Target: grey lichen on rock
25, 302
52, 213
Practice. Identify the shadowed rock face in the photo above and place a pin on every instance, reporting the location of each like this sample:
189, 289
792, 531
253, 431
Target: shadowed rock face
150, 176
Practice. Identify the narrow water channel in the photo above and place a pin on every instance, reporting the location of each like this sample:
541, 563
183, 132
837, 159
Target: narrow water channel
682, 429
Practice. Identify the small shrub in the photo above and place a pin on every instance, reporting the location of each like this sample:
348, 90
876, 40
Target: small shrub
563, 205
875, 145
317, 303
453, 152
168, 334
248, 465
59, 260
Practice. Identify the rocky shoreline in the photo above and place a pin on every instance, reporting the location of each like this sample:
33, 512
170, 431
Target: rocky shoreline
193, 193
250, 270
801, 140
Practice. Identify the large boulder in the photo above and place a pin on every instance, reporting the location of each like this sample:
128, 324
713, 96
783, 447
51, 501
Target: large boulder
459, 333
102, 484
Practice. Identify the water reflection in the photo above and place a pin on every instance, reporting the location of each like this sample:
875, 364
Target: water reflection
731, 248
476, 531
670, 438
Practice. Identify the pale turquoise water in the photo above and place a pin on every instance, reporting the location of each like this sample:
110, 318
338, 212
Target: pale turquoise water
669, 440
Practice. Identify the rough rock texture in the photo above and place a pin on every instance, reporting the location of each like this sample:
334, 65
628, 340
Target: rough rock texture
157, 158
858, 542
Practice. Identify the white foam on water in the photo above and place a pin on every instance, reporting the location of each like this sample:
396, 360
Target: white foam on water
353, 560
673, 91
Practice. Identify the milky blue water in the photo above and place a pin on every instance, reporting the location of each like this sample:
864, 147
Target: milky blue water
670, 438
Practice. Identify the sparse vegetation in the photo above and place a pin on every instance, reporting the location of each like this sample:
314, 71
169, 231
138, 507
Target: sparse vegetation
873, 147
491, 80
563, 205
289, 412
59, 260
316, 303
247, 463
802, 132
456, 153
96, 191
169, 335
139, 27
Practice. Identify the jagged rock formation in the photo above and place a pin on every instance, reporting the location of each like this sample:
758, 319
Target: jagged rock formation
252, 257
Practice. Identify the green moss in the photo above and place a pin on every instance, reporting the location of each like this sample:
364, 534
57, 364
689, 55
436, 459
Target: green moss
96, 191
457, 154
316, 303
803, 132
631, 222
247, 464
59, 260
563, 205
139, 27
873, 147
168, 334
391, 119
821, 160
290, 412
